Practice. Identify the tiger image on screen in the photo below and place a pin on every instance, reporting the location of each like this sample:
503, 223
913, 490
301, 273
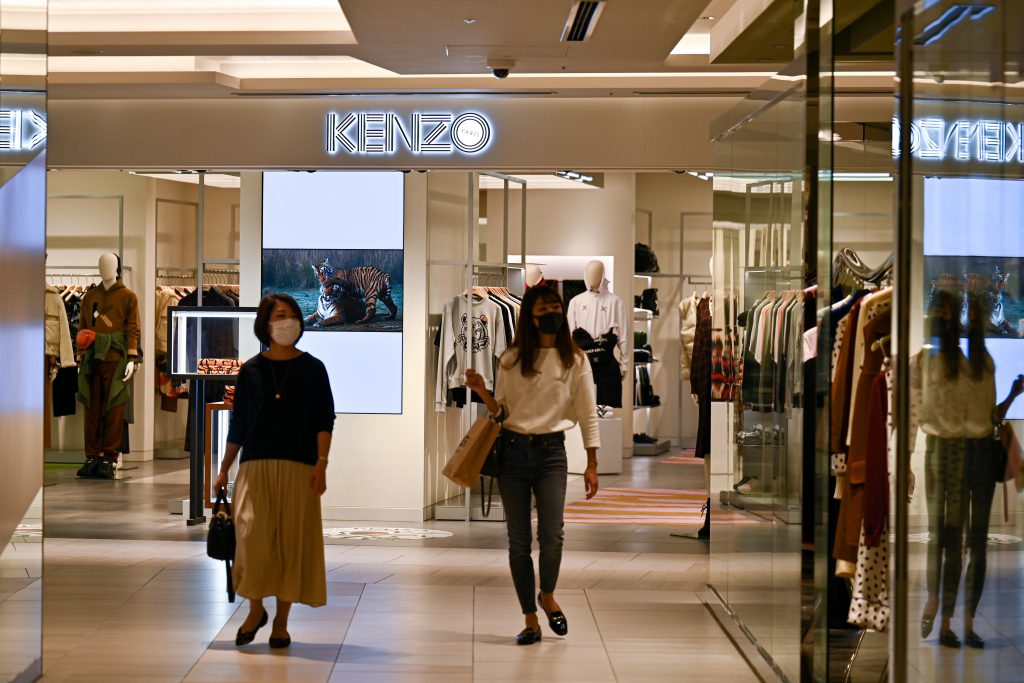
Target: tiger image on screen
338, 289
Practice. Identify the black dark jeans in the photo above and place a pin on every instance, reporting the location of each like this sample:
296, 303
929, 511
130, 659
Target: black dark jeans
533, 465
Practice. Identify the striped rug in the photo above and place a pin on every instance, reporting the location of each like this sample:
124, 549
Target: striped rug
686, 457
669, 507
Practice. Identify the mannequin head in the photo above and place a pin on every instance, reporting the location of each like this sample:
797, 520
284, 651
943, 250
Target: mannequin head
533, 275
109, 267
593, 275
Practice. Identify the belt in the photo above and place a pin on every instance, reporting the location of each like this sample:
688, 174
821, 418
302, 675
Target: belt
533, 438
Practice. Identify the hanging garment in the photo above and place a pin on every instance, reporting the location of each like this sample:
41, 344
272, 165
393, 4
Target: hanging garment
700, 376
687, 327
601, 354
597, 313
871, 306
571, 289
57, 329
485, 337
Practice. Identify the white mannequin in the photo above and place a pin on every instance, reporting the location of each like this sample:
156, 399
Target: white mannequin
108, 275
533, 275
593, 275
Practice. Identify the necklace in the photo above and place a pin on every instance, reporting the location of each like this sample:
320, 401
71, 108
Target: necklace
279, 387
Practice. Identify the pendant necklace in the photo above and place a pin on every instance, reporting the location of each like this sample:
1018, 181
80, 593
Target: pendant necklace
279, 387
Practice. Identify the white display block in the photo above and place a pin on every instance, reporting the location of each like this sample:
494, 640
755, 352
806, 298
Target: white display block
722, 448
609, 455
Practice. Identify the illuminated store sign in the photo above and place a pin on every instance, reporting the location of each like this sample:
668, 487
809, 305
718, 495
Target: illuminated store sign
980, 140
21, 130
418, 133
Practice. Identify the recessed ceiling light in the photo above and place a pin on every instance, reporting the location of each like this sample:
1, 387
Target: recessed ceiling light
708, 17
469, 20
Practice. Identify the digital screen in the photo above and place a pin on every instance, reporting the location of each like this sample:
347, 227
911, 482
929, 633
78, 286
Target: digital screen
974, 232
334, 240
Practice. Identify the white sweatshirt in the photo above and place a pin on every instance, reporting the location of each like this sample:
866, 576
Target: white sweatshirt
554, 400
488, 343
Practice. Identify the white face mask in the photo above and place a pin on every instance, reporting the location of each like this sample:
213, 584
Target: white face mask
285, 332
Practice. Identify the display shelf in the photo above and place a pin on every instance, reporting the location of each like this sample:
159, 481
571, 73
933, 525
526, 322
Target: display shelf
216, 445
651, 449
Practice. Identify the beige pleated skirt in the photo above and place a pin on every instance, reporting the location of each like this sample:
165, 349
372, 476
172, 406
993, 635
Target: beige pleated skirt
279, 534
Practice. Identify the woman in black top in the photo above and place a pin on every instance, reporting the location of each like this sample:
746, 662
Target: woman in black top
282, 421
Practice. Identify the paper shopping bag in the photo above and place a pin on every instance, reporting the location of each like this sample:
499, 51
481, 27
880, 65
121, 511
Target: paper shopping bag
465, 464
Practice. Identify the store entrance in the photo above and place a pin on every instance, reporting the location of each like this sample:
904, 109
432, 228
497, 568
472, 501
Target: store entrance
174, 236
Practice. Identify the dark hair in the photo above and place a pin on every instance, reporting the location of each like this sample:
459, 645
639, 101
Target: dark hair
977, 355
262, 325
948, 332
527, 341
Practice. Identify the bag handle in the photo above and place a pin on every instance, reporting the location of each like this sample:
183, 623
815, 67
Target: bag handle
222, 499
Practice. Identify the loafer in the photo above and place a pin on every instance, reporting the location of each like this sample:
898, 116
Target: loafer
972, 639
949, 639
927, 623
246, 637
556, 620
528, 637
279, 643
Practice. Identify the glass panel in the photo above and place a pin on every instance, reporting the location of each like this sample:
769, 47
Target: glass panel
210, 341
22, 238
964, 336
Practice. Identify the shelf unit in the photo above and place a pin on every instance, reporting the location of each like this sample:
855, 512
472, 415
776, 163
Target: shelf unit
644, 320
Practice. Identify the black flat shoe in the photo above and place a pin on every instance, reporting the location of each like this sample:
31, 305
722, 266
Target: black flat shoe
949, 639
279, 643
972, 639
244, 637
528, 637
927, 623
556, 620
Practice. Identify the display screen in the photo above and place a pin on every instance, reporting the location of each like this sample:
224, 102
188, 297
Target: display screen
334, 240
974, 232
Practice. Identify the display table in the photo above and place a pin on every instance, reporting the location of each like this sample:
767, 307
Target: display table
609, 455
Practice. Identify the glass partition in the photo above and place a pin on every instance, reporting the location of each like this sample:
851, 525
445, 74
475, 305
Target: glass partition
22, 362
960, 519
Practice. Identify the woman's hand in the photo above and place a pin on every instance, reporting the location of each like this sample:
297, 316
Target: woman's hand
475, 381
1017, 388
590, 479
221, 482
318, 482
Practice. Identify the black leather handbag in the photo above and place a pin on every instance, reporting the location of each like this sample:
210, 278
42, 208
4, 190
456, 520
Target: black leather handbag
220, 539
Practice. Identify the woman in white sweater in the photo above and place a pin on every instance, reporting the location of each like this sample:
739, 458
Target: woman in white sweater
544, 387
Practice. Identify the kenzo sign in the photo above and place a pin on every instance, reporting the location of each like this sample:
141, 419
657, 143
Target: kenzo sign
384, 133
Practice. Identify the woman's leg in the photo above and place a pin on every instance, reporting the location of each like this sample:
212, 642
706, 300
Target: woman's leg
936, 522
514, 484
256, 610
549, 487
981, 480
280, 629
953, 493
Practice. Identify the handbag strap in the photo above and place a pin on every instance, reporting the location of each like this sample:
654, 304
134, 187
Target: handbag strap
231, 583
222, 500
486, 497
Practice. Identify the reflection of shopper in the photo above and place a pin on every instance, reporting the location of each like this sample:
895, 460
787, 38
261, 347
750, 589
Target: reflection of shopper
282, 422
544, 387
954, 402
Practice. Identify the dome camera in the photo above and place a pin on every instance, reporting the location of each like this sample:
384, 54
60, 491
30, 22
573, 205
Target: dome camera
501, 67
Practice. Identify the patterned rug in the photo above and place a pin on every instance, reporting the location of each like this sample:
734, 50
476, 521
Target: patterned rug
366, 533
686, 457
667, 507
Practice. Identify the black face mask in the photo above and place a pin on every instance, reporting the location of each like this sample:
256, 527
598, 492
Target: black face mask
550, 323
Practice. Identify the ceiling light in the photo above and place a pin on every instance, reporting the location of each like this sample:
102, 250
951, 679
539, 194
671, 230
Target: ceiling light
575, 175
708, 17
469, 21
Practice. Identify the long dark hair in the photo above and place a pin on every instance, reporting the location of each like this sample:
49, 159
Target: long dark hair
947, 330
977, 354
527, 341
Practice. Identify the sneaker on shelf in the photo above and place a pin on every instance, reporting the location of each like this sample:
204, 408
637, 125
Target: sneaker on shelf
746, 488
105, 470
88, 470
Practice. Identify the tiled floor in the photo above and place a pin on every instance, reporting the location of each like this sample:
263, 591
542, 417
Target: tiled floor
138, 600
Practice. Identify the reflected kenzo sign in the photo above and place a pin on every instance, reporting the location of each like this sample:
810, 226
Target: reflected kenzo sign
988, 141
385, 133
21, 130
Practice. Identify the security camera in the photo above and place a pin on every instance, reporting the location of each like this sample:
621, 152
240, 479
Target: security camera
501, 67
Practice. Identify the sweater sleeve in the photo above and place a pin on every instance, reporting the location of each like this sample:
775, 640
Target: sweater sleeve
244, 408
584, 401
324, 399
132, 326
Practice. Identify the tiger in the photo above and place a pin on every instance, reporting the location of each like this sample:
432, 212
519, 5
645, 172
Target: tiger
370, 283
339, 304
